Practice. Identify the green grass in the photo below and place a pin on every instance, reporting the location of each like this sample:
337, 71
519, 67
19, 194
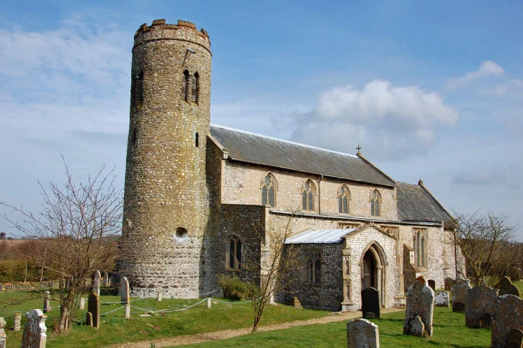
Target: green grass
449, 331
115, 329
519, 285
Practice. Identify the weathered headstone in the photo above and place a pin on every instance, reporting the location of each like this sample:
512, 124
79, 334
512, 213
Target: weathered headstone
420, 303
96, 283
361, 333
479, 306
297, 302
432, 284
159, 296
3, 337
508, 314
124, 290
89, 319
459, 294
506, 287
127, 311
34, 335
81, 303
17, 321
515, 339
417, 328
93, 307
442, 299
370, 303
448, 283
47, 301
105, 279
209, 302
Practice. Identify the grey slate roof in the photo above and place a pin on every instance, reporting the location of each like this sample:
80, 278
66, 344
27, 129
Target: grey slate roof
258, 149
319, 237
415, 203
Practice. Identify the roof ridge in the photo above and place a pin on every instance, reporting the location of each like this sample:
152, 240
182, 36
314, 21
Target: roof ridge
285, 141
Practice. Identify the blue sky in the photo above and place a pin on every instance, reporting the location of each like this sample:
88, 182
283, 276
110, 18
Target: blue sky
430, 90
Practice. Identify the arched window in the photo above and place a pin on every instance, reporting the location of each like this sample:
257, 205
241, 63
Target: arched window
423, 264
308, 193
137, 90
195, 87
313, 268
233, 256
185, 85
343, 199
375, 203
420, 247
269, 190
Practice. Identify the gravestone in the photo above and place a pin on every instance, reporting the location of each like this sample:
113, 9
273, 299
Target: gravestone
81, 303
448, 283
93, 307
432, 284
47, 301
361, 333
17, 321
508, 314
420, 303
370, 303
417, 328
105, 279
34, 335
124, 290
209, 302
515, 339
96, 284
3, 336
297, 302
159, 296
127, 311
479, 306
506, 287
442, 299
459, 291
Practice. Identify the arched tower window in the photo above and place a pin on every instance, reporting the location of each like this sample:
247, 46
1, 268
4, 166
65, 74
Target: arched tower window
233, 253
375, 203
308, 193
137, 90
185, 85
269, 187
343, 199
195, 87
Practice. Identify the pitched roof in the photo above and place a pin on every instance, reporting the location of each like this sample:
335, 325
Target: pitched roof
262, 150
319, 237
416, 203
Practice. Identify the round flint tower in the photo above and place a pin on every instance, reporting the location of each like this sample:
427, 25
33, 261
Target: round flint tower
166, 208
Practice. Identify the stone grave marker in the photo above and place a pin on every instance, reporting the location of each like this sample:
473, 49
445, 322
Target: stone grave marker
17, 321
515, 339
508, 314
420, 303
506, 287
297, 302
34, 335
47, 301
159, 296
459, 294
127, 311
432, 284
96, 283
105, 279
370, 303
479, 306
442, 299
448, 283
361, 333
124, 290
3, 337
81, 303
209, 302
93, 307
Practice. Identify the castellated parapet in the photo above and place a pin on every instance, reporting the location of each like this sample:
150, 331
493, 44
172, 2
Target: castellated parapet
166, 198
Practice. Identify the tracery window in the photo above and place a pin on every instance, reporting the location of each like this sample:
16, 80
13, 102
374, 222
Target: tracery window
313, 268
308, 193
233, 253
420, 247
269, 190
375, 203
343, 200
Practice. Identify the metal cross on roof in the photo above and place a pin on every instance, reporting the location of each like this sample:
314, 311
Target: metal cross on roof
358, 148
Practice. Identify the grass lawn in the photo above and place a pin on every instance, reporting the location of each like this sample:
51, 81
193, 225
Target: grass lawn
115, 329
449, 331
519, 285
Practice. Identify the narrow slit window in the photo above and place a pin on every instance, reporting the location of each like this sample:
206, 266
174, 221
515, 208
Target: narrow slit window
196, 140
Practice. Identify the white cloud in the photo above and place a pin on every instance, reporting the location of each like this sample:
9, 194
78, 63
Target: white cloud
487, 68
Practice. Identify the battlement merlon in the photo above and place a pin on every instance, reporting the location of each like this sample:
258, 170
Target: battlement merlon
183, 31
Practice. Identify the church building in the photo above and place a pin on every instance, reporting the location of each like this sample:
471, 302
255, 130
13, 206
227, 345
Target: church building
202, 200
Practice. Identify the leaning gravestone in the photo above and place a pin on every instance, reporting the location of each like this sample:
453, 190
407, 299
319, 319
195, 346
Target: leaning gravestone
506, 287
515, 339
34, 335
479, 305
442, 299
420, 303
124, 290
3, 338
96, 284
93, 308
459, 294
508, 314
448, 283
361, 333
370, 303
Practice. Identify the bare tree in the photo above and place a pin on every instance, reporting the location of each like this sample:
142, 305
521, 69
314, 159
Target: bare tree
77, 233
486, 242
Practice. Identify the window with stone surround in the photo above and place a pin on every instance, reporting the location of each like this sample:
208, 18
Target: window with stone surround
233, 253
375, 203
313, 267
137, 90
343, 200
307, 194
420, 247
185, 83
195, 86
268, 188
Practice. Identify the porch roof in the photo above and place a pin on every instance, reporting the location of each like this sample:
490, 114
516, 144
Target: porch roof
319, 236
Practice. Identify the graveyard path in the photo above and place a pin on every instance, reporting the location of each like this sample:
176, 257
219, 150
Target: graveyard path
221, 335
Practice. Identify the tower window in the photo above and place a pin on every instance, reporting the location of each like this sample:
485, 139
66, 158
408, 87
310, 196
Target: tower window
308, 193
137, 90
233, 253
343, 200
375, 203
196, 140
268, 190
185, 85
195, 87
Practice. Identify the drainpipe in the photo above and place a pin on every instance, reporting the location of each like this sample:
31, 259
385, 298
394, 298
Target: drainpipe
319, 195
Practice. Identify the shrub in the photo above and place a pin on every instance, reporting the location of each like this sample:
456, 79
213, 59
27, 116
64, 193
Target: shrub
235, 288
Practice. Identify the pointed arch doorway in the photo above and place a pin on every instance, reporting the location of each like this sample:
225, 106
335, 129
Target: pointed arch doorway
372, 270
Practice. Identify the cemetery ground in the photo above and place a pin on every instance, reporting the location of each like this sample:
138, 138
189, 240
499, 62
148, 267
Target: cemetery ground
449, 327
